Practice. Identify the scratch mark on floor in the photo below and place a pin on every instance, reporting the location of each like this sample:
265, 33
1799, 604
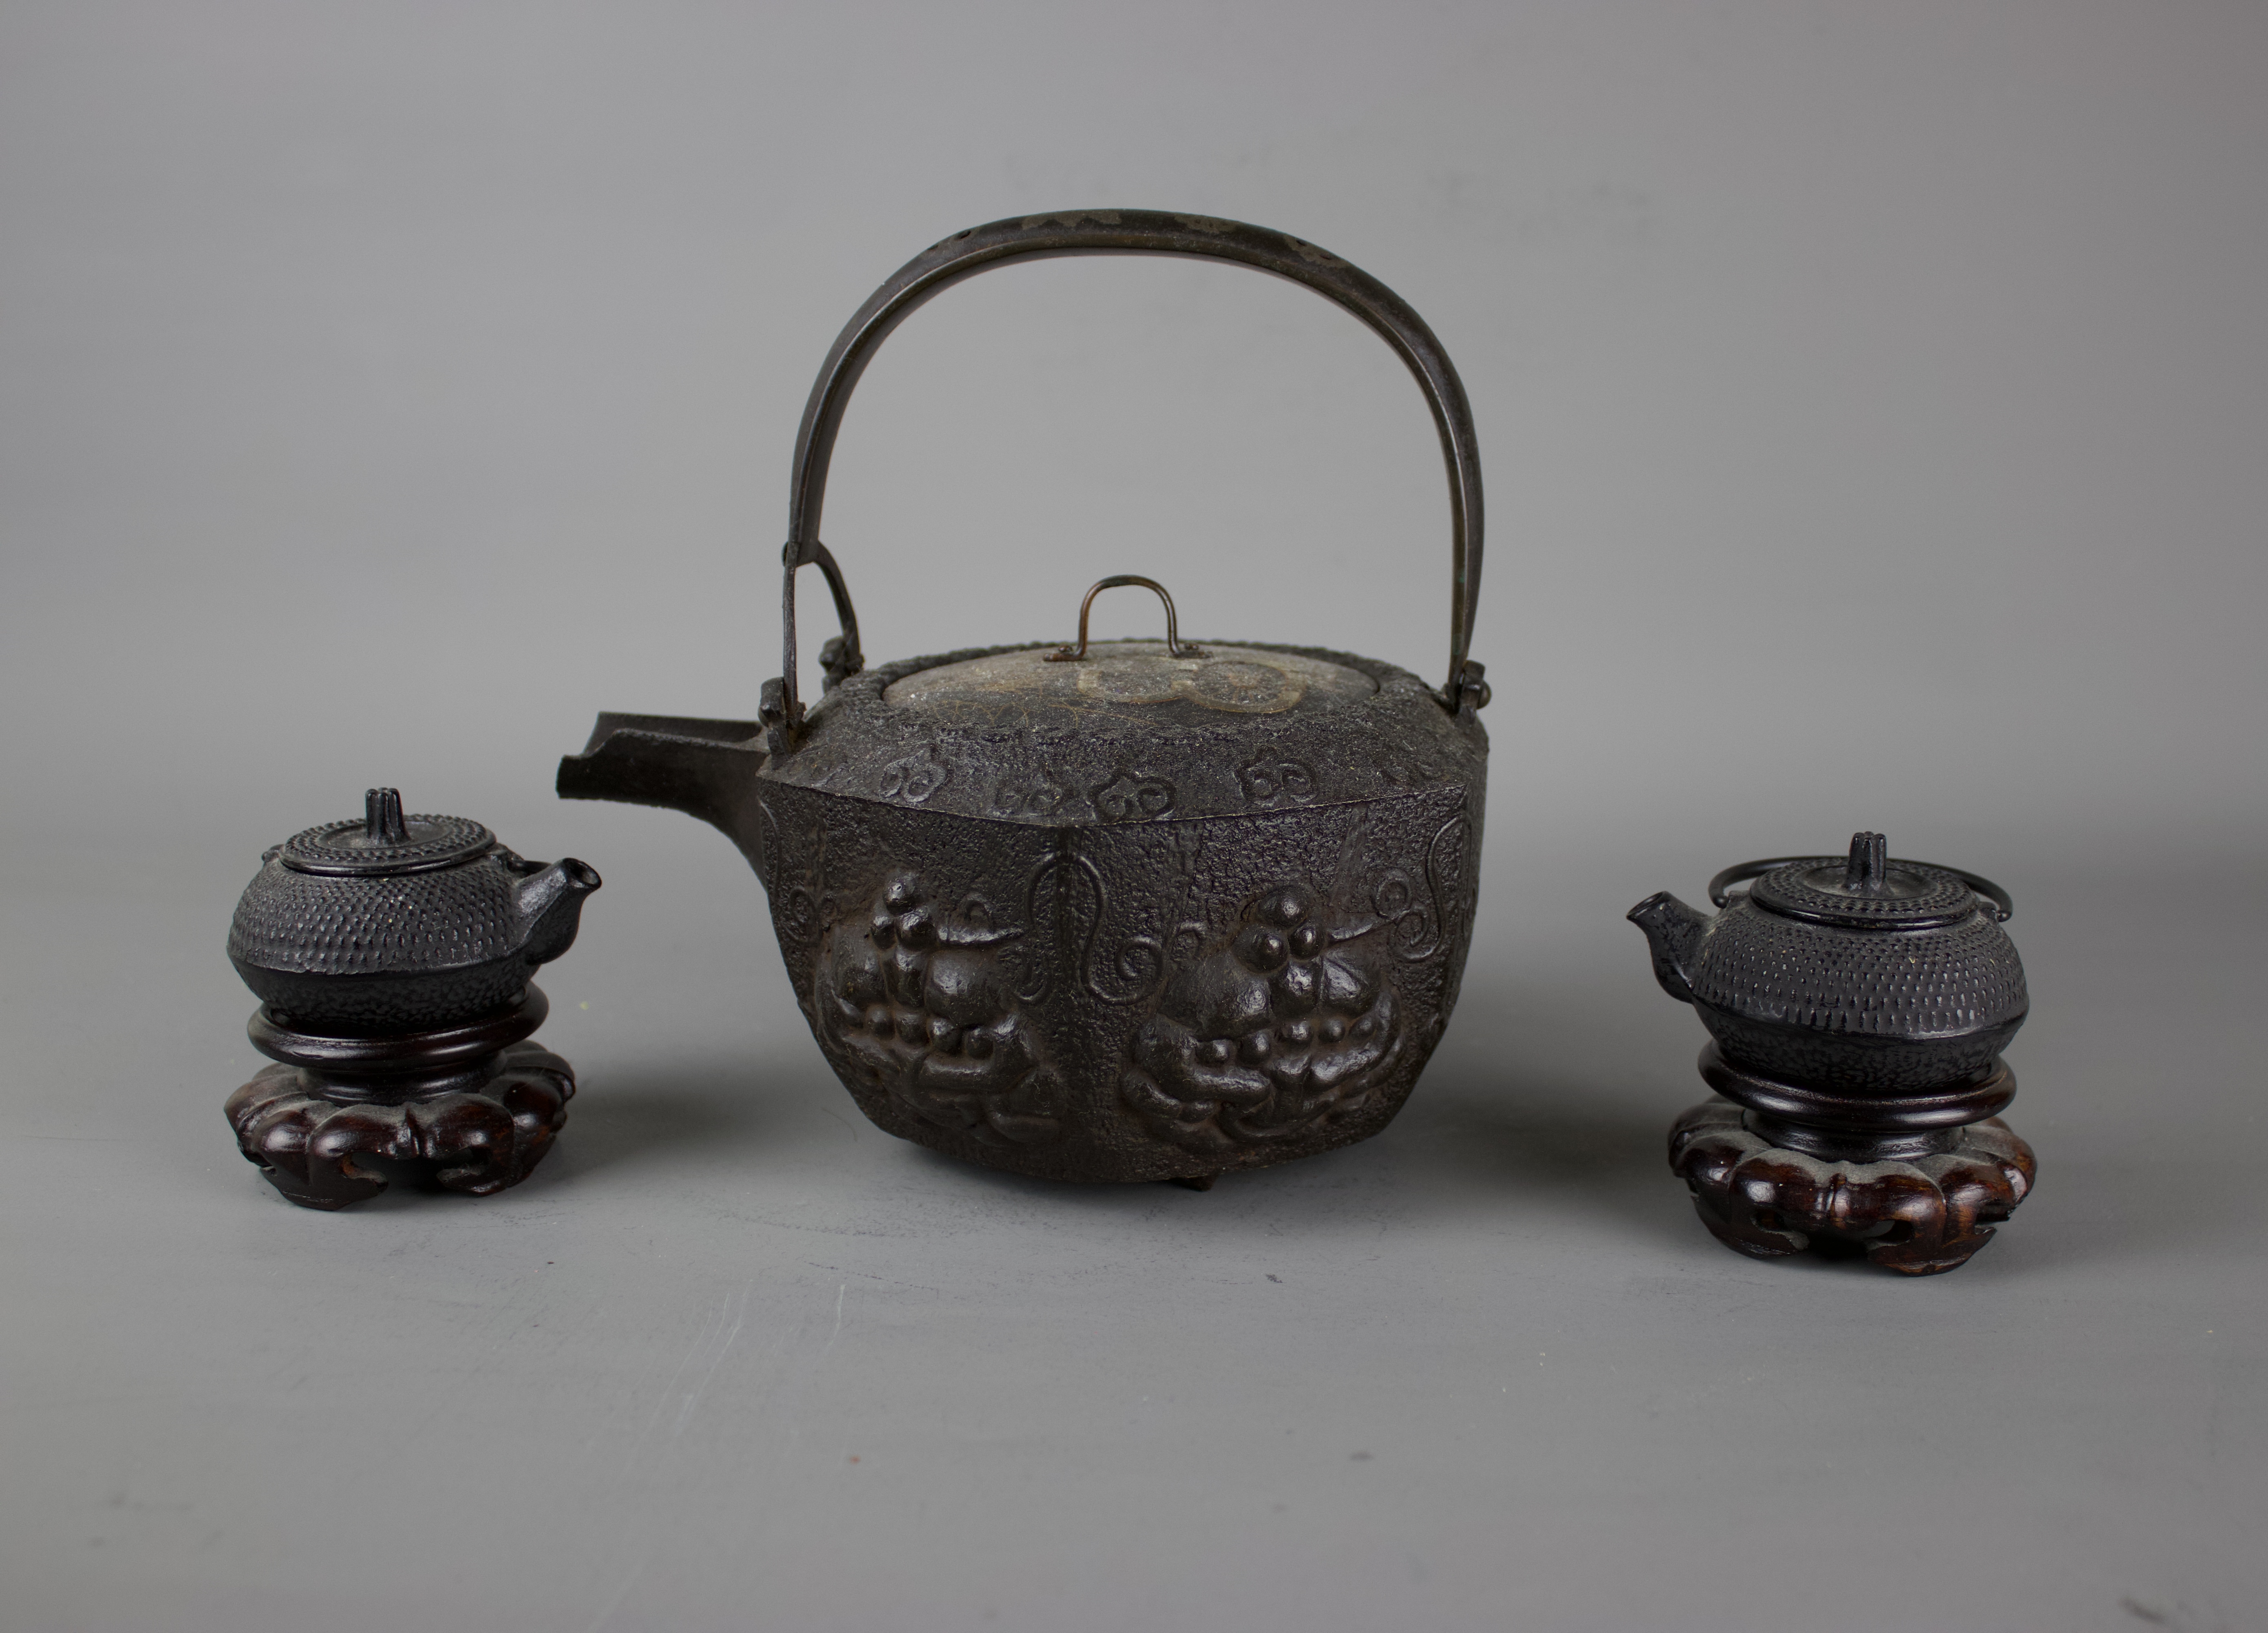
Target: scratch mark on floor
614, 1600
740, 1316
838, 1332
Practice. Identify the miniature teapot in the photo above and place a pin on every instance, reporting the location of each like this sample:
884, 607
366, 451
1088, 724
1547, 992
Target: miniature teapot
1855, 973
395, 924
1110, 910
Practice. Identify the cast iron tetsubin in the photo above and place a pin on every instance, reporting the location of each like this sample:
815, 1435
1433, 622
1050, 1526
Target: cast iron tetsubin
1857, 1008
1125, 911
393, 956
1853, 974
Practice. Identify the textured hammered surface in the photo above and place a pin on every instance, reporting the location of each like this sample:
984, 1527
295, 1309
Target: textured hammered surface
1085, 744
1911, 893
1875, 983
396, 952
346, 847
317, 924
1875, 1011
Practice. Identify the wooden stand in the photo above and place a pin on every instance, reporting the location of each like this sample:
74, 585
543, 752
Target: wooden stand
1915, 1184
473, 1107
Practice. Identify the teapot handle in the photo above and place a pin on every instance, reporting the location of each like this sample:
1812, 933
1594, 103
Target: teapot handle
1128, 233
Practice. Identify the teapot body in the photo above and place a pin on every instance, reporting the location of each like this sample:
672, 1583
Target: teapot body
1177, 942
1106, 977
1864, 1012
1857, 975
1140, 1001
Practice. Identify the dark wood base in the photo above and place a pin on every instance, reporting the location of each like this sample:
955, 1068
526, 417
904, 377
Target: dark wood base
473, 1108
1919, 1212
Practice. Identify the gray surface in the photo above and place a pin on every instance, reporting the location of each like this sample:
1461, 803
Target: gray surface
1483, 1371
386, 388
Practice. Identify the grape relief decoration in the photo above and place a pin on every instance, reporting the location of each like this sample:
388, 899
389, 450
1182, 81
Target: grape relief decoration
1292, 1025
1278, 1032
919, 1003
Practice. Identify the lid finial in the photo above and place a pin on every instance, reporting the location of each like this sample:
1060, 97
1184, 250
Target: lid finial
1869, 866
381, 817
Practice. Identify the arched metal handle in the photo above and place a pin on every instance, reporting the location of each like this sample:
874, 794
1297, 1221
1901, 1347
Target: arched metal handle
2004, 907
1131, 232
1126, 581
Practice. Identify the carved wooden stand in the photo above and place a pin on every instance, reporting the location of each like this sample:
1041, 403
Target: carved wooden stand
1916, 1183
474, 1106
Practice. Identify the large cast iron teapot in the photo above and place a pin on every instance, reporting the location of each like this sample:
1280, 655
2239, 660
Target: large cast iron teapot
1116, 911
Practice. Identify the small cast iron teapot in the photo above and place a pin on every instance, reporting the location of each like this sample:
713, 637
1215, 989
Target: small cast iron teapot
1854, 974
1121, 911
395, 924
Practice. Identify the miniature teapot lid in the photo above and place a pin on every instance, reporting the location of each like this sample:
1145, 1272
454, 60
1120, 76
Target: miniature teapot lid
1864, 889
386, 842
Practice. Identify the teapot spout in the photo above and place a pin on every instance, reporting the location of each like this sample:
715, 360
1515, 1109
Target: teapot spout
1672, 931
550, 903
704, 768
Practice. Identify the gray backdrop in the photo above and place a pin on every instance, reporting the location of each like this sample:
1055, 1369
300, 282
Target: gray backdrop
1873, 399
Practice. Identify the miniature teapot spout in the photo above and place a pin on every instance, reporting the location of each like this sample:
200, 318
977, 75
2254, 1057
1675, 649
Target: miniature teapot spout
1673, 930
550, 902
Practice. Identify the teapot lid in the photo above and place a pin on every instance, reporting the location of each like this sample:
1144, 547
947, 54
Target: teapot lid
1108, 732
1865, 890
1068, 685
1187, 685
384, 841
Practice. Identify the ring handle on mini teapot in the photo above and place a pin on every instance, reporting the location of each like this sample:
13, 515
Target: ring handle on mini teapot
2004, 905
1130, 232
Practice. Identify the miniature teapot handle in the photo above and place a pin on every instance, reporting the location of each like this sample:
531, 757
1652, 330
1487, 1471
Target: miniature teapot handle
1130, 232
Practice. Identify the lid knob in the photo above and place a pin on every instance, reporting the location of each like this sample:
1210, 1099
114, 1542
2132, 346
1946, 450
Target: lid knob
1869, 866
381, 817
1174, 648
